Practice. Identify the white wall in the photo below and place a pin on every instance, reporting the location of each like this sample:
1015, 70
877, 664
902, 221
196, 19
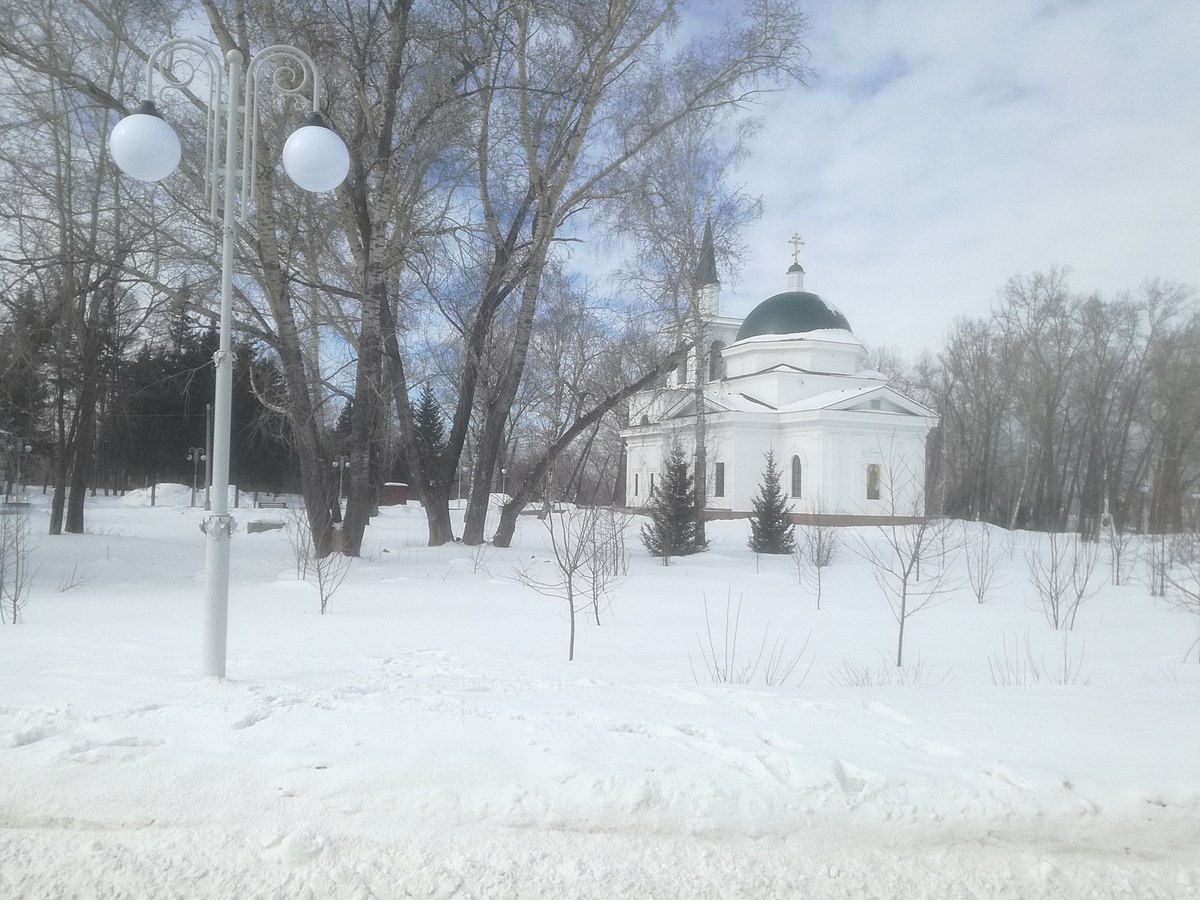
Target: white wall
835, 449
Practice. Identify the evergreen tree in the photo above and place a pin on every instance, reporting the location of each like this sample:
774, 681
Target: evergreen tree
771, 528
430, 430
342, 427
671, 530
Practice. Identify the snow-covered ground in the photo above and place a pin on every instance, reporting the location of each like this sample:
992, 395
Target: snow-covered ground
429, 738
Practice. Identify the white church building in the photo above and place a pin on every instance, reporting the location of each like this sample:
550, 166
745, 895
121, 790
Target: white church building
790, 378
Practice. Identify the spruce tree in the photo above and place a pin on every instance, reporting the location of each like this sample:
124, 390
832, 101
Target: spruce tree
771, 528
671, 530
344, 424
430, 430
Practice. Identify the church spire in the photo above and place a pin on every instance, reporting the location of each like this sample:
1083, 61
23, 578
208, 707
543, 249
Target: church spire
706, 268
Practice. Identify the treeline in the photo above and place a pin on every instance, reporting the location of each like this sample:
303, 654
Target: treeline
151, 387
1059, 407
487, 140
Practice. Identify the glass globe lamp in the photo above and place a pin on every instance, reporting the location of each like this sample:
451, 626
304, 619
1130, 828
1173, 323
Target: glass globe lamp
315, 157
144, 146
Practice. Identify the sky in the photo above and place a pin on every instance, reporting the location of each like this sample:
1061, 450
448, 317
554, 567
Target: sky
945, 146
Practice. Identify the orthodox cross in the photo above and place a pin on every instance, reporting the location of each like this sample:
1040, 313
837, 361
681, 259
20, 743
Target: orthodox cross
797, 242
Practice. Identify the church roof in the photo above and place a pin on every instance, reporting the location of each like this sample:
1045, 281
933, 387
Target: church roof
792, 312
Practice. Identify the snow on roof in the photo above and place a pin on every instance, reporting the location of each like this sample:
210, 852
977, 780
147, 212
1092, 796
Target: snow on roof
829, 335
828, 398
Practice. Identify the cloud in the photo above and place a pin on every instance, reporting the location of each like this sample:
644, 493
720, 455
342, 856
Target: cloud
947, 146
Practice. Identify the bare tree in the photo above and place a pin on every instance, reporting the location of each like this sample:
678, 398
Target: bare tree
983, 560
912, 556
325, 571
606, 561
816, 544
1120, 544
583, 567
16, 576
1061, 569
1156, 553
1184, 583
583, 111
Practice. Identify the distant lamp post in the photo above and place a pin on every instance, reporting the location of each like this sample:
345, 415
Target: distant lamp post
20, 448
146, 148
504, 480
196, 455
341, 463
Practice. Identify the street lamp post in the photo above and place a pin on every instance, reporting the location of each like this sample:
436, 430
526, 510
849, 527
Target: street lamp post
23, 447
504, 480
196, 455
146, 148
341, 463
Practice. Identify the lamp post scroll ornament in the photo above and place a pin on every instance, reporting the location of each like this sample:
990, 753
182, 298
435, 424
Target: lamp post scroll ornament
146, 148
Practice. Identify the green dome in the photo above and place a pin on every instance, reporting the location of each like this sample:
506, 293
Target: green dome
792, 312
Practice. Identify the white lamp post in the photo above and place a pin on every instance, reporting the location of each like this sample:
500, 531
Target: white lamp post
145, 147
195, 456
341, 463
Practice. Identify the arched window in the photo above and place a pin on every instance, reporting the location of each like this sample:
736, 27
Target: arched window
873, 481
645, 420
797, 482
716, 362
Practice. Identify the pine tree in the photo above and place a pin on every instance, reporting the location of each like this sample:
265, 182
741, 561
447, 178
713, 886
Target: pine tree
430, 430
344, 424
771, 528
671, 530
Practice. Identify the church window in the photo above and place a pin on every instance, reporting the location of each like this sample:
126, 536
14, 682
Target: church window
716, 363
719, 479
645, 420
635, 484
873, 481
876, 403
797, 473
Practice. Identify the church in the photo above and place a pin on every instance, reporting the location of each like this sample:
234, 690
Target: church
791, 378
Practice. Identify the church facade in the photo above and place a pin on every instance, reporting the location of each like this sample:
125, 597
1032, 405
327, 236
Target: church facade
790, 378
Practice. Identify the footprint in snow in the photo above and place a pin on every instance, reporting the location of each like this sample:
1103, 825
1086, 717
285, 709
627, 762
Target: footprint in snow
251, 717
931, 748
888, 713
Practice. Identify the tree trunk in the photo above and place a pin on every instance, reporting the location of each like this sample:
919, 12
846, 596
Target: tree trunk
83, 451
368, 413
521, 493
433, 488
487, 452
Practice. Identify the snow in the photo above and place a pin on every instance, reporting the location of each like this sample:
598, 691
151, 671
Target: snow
829, 335
428, 737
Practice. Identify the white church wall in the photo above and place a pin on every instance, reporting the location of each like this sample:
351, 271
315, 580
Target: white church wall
835, 454
755, 355
900, 455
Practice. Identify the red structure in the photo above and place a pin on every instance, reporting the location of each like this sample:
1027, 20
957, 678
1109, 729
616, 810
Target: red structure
394, 494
